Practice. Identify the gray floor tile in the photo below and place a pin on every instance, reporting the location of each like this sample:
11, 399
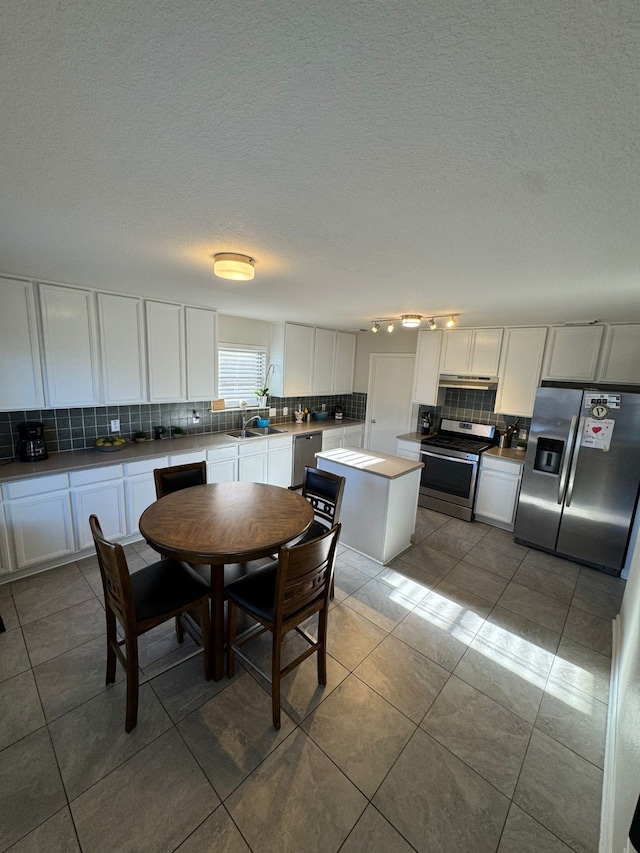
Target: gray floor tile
488, 557
149, 804
438, 803
38, 601
485, 584
457, 596
582, 668
361, 732
233, 733
502, 540
535, 606
562, 791
601, 581
434, 564
403, 676
437, 636
551, 584
90, 741
64, 682
13, 654
375, 834
59, 573
348, 579
9, 613
351, 637
56, 835
20, 708
520, 637
471, 532
589, 631
574, 719
447, 540
30, 787
5, 591
425, 576
483, 734
381, 603
523, 834
218, 833
59, 632
596, 601
512, 682
552, 563
359, 561
427, 524
183, 688
322, 805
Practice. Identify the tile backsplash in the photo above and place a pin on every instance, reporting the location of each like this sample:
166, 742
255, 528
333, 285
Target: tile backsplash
463, 404
77, 429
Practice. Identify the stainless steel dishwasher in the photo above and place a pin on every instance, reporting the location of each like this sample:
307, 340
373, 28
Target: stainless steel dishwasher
305, 448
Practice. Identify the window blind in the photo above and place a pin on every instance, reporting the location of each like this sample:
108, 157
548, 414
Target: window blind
241, 371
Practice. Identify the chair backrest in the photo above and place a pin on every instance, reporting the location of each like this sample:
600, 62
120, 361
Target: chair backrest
304, 575
324, 491
116, 580
178, 477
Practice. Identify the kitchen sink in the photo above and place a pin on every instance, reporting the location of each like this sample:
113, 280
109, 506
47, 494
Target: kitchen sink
253, 433
240, 433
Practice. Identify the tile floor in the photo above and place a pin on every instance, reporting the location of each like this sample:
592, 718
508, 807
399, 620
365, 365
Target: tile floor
465, 711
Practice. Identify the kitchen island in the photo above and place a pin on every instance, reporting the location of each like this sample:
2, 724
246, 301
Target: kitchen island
380, 500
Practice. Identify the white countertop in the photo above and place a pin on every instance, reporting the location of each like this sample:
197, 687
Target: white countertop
77, 460
507, 453
371, 461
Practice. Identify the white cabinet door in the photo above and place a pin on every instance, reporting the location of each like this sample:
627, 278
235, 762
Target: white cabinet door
106, 501
252, 462
621, 361
21, 376
122, 349
427, 368
572, 353
202, 354
520, 366
408, 450
332, 438
323, 361
279, 466
41, 528
485, 351
498, 490
292, 349
69, 343
139, 492
5, 562
222, 471
353, 436
456, 348
344, 363
165, 352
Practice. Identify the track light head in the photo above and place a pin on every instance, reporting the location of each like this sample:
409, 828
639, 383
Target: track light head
432, 324
390, 327
374, 327
452, 322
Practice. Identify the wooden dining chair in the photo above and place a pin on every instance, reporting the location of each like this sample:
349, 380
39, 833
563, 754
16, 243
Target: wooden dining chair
177, 477
280, 597
141, 601
324, 491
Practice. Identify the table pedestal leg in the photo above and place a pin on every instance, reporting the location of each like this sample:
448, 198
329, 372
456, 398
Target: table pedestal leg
217, 619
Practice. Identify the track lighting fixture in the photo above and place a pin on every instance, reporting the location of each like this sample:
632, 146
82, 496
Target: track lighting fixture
432, 324
451, 322
412, 321
374, 327
390, 327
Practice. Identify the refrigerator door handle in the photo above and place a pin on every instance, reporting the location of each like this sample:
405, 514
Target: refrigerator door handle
574, 462
567, 457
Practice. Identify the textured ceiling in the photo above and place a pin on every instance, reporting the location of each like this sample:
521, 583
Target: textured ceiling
375, 157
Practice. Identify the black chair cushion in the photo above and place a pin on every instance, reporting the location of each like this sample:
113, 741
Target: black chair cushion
165, 586
256, 592
317, 529
174, 481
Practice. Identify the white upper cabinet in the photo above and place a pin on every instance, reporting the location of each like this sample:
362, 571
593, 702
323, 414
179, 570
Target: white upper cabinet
621, 357
471, 351
70, 346
344, 363
519, 372
202, 354
292, 353
427, 371
21, 377
165, 352
572, 353
122, 349
324, 352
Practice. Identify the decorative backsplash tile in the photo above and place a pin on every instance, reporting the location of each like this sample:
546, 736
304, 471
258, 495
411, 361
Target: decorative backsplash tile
463, 404
76, 429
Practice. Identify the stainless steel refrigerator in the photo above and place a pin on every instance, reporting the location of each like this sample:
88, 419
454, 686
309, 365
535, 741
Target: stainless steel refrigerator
581, 475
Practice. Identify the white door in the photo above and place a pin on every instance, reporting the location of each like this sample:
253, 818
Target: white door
389, 399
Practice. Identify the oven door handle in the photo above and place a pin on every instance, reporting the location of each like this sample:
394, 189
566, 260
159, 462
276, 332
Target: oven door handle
448, 458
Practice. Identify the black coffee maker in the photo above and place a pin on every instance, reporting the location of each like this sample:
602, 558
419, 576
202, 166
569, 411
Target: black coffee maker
31, 447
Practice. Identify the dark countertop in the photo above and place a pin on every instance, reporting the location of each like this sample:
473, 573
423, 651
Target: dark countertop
77, 460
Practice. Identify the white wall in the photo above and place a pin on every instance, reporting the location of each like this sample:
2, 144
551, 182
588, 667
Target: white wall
400, 340
622, 767
241, 330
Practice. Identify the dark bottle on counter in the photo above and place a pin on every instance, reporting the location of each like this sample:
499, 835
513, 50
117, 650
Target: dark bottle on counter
425, 423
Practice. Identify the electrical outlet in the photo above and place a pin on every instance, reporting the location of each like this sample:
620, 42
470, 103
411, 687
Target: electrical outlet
285, 410
115, 425
324, 407
195, 417
272, 413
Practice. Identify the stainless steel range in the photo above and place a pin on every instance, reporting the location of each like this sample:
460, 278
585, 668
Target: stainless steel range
451, 459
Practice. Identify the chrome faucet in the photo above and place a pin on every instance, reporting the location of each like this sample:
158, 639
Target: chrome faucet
245, 422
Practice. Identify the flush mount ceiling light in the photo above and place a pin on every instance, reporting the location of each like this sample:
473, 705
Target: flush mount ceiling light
411, 321
233, 266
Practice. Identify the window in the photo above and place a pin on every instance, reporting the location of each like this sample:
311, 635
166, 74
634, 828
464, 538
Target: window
241, 371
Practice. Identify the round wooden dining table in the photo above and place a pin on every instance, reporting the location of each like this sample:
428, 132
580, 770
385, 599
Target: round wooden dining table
223, 523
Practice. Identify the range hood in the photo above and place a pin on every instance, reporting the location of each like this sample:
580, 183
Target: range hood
479, 383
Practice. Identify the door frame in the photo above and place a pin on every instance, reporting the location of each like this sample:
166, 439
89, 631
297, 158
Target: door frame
373, 359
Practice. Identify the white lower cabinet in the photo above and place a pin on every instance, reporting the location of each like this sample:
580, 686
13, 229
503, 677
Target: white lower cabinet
100, 492
332, 438
140, 489
353, 436
349, 436
498, 491
408, 450
5, 563
39, 518
222, 465
280, 461
252, 462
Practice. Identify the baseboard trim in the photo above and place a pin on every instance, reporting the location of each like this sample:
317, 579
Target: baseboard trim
609, 776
